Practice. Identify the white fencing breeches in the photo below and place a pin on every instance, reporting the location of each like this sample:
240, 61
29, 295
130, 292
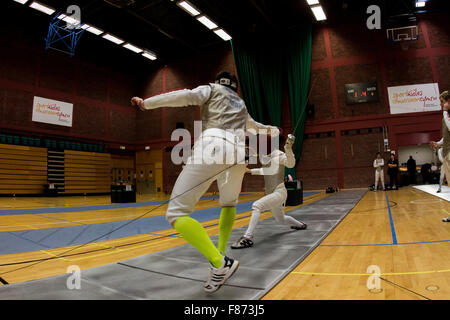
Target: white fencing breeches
442, 174
195, 179
379, 175
273, 202
445, 166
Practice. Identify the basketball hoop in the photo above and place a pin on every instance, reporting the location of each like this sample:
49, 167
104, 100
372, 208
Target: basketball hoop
404, 45
403, 35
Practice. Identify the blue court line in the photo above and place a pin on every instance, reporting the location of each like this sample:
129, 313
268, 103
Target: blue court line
8, 212
381, 244
43, 239
90, 208
394, 236
173, 235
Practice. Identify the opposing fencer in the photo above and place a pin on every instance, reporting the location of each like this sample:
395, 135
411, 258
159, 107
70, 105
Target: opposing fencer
275, 193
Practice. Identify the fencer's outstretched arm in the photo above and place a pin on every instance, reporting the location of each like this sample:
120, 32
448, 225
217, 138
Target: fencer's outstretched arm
288, 159
267, 171
251, 125
178, 98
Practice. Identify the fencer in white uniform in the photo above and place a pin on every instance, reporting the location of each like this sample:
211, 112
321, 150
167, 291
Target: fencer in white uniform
224, 122
217, 121
275, 193
442, 173
444, 143
378, 164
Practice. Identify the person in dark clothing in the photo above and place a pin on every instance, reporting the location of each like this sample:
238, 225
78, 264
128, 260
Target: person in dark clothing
393, 172
411, 164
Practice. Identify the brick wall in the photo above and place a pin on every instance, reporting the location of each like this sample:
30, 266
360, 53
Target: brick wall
99, 88
344, 138
350, 54
339, 149
156, 126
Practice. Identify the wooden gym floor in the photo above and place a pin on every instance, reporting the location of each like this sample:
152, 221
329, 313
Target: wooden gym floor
401, 232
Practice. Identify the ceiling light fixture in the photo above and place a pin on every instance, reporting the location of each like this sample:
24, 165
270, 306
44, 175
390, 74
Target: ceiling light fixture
189, 8
221, 33
92, 29
112, 38
133, 48
420, 4
68, 19
207, 22
42, 8
319, 13
149, 55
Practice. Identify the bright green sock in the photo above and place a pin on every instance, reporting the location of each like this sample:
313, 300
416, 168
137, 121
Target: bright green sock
194, 233
227, 216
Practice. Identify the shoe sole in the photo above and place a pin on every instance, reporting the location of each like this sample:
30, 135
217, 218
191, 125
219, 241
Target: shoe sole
241, 247
225, 280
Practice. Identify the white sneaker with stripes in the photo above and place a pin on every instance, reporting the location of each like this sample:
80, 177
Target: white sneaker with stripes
218, 276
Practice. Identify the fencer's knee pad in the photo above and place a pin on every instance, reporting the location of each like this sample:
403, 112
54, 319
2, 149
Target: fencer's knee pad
257, 206
229, 203
278, 217
171, 218
173, 213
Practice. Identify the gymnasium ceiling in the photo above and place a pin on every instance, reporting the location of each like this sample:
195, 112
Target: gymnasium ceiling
164, 28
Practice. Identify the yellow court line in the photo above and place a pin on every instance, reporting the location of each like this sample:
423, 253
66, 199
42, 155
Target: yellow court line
133, 247
112, 219
88, 256
161, 241
106, 246
53, 255
369, 274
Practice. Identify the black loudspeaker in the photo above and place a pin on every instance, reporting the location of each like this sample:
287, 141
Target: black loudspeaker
310, 110
120, 194
295, 193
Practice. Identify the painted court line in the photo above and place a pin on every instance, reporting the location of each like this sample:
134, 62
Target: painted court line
104, 207
370, 274
381, 244
394, 236
100, 207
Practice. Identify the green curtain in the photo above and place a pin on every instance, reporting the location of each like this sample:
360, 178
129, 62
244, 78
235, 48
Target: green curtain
259, 72
298, 63
261, 65
271, 78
